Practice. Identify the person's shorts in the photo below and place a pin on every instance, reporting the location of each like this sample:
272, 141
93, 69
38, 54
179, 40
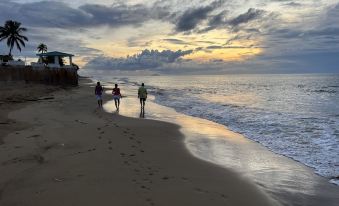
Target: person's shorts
116, 97
99, 97
143, 99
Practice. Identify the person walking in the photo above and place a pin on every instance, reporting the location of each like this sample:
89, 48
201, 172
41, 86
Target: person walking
116, 96
98, 93
142, 95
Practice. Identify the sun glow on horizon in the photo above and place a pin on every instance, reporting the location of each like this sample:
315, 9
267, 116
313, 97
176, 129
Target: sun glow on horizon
205, 47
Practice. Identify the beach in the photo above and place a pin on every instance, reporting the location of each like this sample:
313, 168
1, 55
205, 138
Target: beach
67, 151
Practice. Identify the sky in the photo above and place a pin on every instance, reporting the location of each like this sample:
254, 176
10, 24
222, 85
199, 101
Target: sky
183, 36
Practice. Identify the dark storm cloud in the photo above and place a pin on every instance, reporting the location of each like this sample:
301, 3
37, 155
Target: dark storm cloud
215, 22
60, 15
191, 18
44, 14
250, 15
147, 59
117, 14
54, 14
220, 20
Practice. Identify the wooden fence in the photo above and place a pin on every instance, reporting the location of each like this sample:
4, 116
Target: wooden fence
60, 76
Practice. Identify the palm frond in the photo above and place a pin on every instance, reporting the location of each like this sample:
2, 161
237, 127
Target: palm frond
12, 31
18, 45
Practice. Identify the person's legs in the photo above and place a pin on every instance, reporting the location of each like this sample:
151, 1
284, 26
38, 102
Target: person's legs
142, 103
118, 103
99, 100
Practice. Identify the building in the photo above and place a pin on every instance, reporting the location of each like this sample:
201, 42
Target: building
54, 60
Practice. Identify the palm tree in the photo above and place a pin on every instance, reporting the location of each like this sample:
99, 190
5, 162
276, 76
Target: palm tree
13, 33
42, 48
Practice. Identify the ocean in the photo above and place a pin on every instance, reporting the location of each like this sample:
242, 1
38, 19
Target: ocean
295, 115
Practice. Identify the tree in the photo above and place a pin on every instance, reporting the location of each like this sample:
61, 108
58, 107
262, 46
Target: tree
12, 31
42, 48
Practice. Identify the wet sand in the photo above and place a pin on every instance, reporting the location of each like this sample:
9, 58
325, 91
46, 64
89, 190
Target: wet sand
288, 181
71, 153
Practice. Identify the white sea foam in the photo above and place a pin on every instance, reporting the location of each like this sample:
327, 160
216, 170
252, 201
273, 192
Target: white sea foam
293, 115
300, 122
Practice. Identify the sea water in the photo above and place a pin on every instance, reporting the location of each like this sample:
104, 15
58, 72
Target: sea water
293, 115
296, 115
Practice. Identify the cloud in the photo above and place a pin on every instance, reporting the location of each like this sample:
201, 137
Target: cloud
116, 15
212, 26
55, 14
250, 15
232, 24
176, 41
191, 18
147, 59
306, 37
293, 4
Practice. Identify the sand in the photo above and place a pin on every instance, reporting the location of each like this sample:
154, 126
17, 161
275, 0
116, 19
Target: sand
63, 150
15, 95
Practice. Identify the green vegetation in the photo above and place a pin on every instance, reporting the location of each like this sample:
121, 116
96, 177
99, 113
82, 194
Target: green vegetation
12, 31
42, 48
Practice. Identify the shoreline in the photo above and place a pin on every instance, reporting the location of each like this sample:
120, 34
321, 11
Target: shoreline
285, 179
73, 153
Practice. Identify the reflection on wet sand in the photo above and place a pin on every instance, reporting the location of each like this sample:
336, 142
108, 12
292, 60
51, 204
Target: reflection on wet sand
286, 180
142, 113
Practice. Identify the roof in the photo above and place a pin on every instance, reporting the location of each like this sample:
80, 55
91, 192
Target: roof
55, 53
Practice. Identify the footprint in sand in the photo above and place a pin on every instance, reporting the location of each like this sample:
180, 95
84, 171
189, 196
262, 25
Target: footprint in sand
150, 201
165, 178
224, 196
184, 178
144, 187
34, 136
81, 122
201, 190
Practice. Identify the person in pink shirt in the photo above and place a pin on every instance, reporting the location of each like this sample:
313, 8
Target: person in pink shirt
116, 96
